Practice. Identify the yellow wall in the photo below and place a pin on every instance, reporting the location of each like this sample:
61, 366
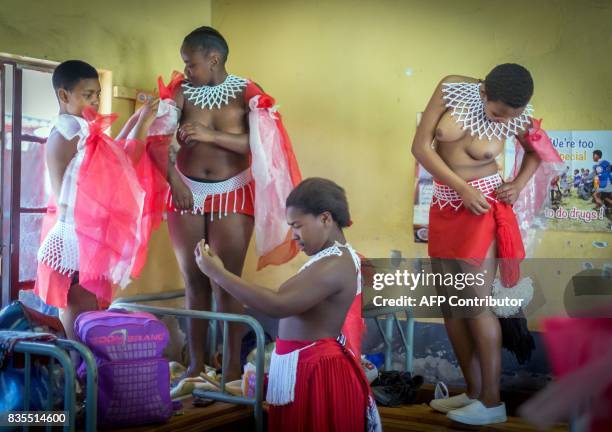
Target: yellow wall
338, 70
136, 40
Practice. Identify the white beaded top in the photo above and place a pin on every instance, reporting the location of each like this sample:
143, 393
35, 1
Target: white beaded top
210, 97
468, 108
334, 250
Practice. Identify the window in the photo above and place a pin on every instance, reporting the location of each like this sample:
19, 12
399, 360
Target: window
28, 107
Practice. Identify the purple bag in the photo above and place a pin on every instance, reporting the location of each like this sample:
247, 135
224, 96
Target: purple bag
133, 375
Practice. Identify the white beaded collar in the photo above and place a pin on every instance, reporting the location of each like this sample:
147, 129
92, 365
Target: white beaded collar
468, 108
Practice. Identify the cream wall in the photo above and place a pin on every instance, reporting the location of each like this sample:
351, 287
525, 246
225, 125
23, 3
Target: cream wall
350, 77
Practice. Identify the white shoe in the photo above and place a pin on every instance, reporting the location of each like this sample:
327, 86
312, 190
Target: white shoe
445, 405
478, 414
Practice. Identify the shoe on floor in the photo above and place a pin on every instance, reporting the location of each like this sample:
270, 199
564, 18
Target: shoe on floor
478, 414
445, 405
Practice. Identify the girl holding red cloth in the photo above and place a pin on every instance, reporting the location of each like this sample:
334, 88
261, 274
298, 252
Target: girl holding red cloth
92, 236
472, 223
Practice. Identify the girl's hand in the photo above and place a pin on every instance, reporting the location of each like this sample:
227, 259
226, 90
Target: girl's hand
196, 132
508, 193
206, 260
475, 201
182, 197
148, 111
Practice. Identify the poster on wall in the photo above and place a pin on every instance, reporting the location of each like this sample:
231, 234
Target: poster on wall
423, 192
581, 196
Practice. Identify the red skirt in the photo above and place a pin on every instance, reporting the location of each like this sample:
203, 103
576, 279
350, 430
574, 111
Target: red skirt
52, 287
331, 392
457, 233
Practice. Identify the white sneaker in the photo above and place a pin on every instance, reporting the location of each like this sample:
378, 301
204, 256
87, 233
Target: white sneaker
445, 405
478, 414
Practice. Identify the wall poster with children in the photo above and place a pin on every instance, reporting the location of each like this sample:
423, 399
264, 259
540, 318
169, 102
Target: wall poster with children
581, 195
423, 193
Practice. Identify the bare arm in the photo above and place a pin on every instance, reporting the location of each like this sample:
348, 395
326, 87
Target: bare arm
297, 295
59, 153
173, 150
138, 124
237, 143
128, 126
422, 150
192, 133
182, 198
146, 118
135, 131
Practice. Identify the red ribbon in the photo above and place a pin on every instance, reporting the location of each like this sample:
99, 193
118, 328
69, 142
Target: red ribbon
97, 122
168, 91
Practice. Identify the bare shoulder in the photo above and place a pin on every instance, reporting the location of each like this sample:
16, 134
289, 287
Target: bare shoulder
59, 147
179, 99
332, 269
189, 111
